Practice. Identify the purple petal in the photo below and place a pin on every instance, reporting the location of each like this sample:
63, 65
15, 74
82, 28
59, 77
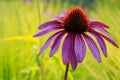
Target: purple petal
62, 14
109, 39
80, 48
49, 24
103, 30
102, 44
45, 31
100, 29
68, 53
93, 47
99, 24
47, 43
73, 61
56, 44
53, 16
66, 49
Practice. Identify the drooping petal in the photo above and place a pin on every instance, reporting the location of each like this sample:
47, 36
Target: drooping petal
80, 48
53, 16
66, 49
49, 24
62, 14
47, 43
68, 53
109, 39
100, 29
73, 61
72, 56
93, 47
45, 31
99, 24
56, 44
103, 30
102, 44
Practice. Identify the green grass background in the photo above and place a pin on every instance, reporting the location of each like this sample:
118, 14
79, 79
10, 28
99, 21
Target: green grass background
18, 49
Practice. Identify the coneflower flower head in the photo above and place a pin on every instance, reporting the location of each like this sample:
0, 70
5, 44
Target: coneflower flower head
75, 21
76, 25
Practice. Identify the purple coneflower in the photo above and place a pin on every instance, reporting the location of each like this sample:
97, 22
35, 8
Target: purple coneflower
76, 26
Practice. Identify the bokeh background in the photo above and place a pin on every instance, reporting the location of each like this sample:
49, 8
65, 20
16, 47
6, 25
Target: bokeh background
19, 60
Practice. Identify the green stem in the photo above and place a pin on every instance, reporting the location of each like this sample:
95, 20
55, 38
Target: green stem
66, 72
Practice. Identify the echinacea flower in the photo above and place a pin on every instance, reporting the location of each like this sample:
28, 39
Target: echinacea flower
76, 27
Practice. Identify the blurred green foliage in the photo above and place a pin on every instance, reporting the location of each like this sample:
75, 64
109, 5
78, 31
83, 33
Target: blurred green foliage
18, 49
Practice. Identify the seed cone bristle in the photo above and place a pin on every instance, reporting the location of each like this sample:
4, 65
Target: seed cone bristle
75, 21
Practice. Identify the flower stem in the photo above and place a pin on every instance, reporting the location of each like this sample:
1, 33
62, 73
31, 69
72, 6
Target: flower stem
66, 71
